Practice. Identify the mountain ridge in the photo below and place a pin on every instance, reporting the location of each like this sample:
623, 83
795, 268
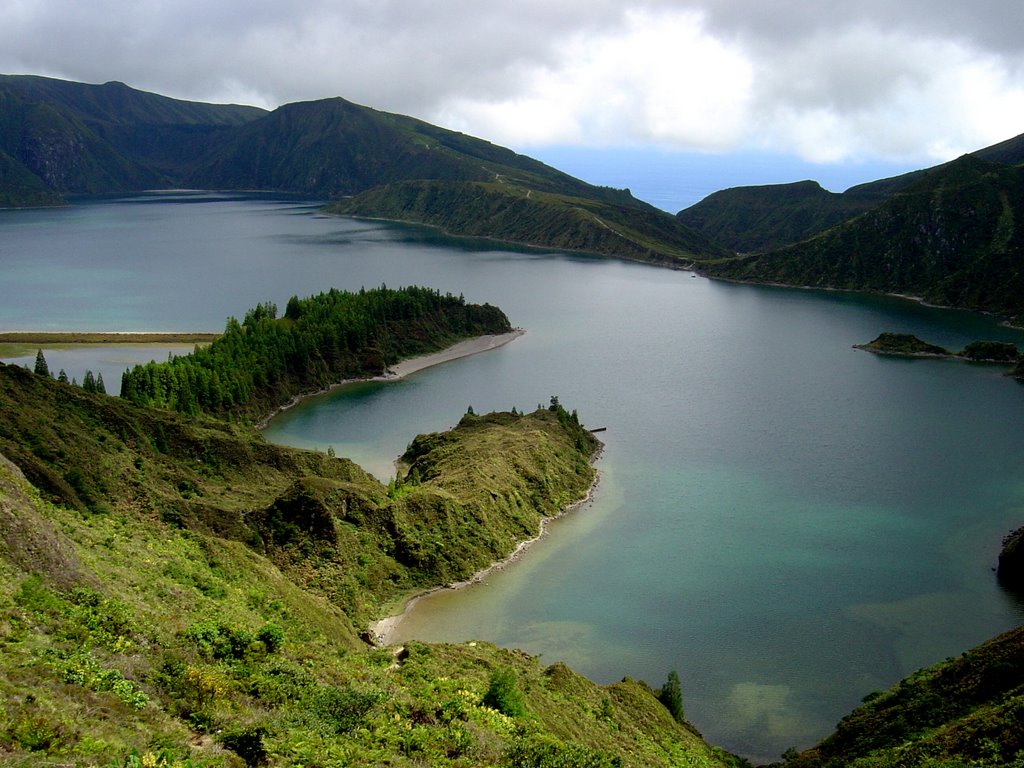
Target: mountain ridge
951, 237
59, 138
751, 219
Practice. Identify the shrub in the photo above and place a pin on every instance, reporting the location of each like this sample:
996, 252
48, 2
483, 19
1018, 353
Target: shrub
247, 743
341, 709
272, 637
548, 752
503, 695
671, 695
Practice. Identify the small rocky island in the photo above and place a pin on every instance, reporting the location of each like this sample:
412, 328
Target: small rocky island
908, 345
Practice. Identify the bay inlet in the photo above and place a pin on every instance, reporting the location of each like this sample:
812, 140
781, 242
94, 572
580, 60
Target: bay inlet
787, 522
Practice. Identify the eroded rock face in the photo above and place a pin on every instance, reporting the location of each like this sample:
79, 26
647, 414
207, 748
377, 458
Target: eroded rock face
1011, 561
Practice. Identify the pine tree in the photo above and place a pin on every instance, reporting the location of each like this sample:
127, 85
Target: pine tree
41, 367
89, 382
62, 377
671, 695
99, 384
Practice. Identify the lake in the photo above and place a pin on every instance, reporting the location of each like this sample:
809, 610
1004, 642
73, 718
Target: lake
786, 521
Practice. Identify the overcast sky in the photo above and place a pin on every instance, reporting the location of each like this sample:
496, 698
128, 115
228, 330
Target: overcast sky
829, 81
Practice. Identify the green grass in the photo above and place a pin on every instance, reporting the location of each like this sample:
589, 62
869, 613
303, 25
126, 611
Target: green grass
193, 596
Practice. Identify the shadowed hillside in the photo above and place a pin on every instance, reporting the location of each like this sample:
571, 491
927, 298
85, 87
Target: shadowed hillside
952, 237
760, 218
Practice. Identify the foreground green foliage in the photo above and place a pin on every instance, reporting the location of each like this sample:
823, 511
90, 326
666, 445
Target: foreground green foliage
265, 361
180, 593
967, 711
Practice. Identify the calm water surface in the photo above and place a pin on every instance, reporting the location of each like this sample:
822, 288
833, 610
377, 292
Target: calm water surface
787, 522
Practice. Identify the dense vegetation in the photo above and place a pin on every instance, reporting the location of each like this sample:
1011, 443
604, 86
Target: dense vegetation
908, 345
512, 210
750, 219
967, 711
903, 344
59, 138
182, 593
265, 361
332, 148
763, 218
952, 238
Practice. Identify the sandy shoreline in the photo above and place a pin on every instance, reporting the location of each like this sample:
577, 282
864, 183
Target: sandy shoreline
383, 630
400, 370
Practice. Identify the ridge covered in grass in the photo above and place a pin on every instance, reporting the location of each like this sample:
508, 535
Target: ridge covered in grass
179, 592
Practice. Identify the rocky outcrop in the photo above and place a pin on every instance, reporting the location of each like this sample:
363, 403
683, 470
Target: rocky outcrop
1011, 561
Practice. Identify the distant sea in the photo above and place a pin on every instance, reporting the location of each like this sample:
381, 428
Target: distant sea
673, 181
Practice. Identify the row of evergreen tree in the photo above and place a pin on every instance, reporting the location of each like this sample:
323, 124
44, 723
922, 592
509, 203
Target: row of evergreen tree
90, 383
265, 360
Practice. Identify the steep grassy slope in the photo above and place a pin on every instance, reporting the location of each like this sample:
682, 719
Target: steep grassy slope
78, 138
967, 711
332, 147
182, 591
749, 219
19, 187
953, 238
512, 210
336, 526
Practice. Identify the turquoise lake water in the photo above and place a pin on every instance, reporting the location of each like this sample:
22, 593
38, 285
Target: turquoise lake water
786, 521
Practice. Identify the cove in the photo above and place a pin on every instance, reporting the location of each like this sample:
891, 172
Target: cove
786, 521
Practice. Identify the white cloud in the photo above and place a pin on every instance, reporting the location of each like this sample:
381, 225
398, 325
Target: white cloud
657, 79
830, 80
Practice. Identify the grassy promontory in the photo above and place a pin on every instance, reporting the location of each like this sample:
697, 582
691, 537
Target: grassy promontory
177, 591
264, 362
510, 210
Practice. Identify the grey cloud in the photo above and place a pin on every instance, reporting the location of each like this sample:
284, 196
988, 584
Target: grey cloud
851, 60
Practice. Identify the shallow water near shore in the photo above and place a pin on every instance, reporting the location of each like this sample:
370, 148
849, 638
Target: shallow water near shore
786, 521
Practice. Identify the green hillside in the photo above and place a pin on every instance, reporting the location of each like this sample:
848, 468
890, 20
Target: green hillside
333, 148
183, 593
952, 237
59, 138
967, 711
511, 210
748, 219
752, 219
75, 138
